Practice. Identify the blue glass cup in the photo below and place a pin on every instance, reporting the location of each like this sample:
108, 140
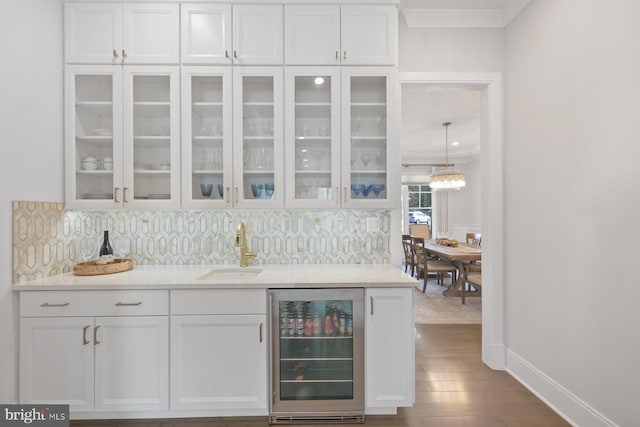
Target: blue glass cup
220, 190
258, 191
206, 190
377, 189
268, 188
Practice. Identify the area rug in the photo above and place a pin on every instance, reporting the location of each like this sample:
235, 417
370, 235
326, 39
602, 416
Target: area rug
433, 307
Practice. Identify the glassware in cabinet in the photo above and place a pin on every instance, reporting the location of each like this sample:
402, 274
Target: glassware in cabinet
258, 138
151, 151
366, 175
312, 136
93, 136
206, 131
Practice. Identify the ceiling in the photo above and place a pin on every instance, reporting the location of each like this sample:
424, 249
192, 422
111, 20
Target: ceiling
459, 13
424, 108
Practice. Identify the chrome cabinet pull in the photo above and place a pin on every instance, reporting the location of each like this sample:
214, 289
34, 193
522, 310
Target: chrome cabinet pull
338, 195
115, 55
226, 53
128, 304
124, 55
236, 194
260, 332
124, 195
226, 195
115, 194
95, 335
85, 341
46, 304
371, 305
337, 55
235, 54
344, 56
344, 195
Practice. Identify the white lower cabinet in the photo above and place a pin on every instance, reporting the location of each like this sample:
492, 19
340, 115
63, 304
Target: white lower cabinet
219, 351
114, 362
218, 362
389, 349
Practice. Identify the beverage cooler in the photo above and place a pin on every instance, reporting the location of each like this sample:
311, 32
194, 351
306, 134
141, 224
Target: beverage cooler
317, 355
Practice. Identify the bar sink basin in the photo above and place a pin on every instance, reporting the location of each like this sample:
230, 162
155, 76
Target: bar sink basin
231, 273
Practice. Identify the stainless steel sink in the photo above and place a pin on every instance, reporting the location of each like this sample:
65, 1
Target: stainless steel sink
231, 273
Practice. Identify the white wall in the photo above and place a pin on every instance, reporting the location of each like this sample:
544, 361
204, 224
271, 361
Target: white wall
465, 205
571, 175
450, 50
31, 161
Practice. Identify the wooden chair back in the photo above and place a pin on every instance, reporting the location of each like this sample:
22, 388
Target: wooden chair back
474, 239
409, 260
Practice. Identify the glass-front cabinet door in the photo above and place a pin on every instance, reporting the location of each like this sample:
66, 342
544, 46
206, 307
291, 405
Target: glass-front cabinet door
367, 137
312, 137
151, 138
93, 132
206, 137
258, 138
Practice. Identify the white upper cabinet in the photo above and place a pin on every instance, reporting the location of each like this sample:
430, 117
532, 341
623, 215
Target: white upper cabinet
369, 35
206, 137
150, 33
312, 35
129, 33
257, 35
93, 33
206, 33
312, 137
346, 35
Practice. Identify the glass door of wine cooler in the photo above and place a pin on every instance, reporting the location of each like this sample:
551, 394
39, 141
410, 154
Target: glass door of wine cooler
317, 353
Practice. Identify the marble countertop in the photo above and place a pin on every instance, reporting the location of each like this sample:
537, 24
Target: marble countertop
231, 276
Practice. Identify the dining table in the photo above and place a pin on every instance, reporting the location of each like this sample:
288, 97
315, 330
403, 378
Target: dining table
458, 256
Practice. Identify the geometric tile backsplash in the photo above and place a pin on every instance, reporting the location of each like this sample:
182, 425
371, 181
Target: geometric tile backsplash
45, 236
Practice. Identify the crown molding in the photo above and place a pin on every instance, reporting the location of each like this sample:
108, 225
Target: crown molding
463, 18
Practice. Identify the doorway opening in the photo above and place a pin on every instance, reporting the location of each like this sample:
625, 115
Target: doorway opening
489, 177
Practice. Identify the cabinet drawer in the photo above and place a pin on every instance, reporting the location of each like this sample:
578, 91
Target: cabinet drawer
219, 301
94, 303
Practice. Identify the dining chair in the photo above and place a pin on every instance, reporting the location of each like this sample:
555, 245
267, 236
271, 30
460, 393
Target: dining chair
473, 278
409, 260
425, 264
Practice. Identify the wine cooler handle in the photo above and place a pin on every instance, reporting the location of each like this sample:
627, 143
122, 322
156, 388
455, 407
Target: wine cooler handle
261, 332
95, 335
85, 341
371, 299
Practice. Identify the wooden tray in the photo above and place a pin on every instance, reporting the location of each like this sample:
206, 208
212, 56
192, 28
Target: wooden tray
93, 269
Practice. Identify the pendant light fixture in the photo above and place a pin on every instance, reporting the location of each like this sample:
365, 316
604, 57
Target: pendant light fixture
447, 178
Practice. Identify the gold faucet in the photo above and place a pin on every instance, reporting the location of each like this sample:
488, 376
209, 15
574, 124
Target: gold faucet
241, 242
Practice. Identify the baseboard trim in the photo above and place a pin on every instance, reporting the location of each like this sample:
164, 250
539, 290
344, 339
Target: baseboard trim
495, 357
569, 406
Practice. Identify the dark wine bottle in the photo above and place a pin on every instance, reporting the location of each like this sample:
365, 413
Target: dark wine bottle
105, 249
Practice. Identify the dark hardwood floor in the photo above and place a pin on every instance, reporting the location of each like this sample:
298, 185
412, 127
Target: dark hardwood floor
453, 389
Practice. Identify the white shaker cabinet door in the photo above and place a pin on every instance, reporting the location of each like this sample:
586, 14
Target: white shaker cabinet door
219, 362
206, 33
369, 35
312, 35
150, 33
56, 362
131, 363
389, 353
257, 35
92, 33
